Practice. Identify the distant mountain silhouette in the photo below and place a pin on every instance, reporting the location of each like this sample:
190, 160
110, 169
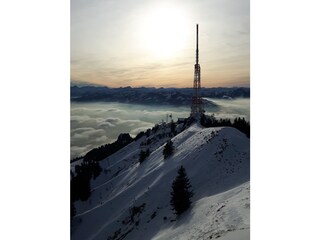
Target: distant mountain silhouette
143, 95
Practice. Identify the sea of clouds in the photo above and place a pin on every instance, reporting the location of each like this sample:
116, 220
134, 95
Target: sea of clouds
99, 123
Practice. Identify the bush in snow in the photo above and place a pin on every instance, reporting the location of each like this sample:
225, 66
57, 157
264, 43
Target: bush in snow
181, 192
168, 149
144, 155
173, 128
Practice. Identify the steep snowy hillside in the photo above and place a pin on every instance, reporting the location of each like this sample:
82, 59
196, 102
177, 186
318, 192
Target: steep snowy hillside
131, 200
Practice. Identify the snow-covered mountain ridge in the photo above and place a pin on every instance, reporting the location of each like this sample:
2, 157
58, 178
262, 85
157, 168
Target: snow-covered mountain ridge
131, 200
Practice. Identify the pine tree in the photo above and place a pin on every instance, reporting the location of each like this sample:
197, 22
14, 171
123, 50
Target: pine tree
181, 192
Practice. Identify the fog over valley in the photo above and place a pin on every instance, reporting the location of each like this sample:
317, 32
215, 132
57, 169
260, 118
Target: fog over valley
98, 123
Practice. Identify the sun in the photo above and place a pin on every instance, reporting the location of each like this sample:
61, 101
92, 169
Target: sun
164, 31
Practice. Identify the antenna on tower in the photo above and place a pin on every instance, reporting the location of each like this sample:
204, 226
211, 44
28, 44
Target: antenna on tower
197, 51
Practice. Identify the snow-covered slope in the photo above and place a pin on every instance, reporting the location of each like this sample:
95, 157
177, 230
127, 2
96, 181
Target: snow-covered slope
132, 200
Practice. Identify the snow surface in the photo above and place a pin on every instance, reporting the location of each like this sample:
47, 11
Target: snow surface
217, 162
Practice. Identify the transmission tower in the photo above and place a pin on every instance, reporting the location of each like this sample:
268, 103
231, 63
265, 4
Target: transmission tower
196, 107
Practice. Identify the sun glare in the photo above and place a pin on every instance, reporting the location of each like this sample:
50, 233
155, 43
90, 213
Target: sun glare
164, 31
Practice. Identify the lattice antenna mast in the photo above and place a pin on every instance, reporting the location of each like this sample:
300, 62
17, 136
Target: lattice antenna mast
197, 50
196, 107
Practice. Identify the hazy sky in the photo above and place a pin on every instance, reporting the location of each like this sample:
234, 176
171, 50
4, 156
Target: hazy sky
152, 43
